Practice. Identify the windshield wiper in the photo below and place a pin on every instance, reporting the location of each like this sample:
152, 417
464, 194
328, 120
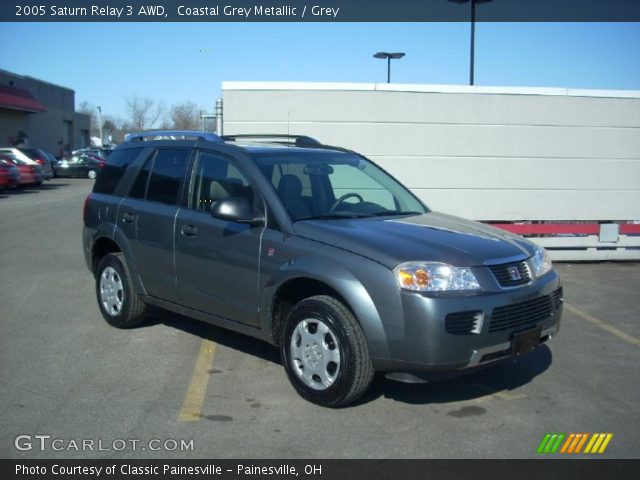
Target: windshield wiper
385, 213
333, 216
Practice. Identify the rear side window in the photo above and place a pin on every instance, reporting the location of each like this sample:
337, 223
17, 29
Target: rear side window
114, 169
168, 170
139, 187
161, 176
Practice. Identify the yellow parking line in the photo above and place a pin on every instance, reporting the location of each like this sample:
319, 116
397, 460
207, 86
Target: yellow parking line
192, 405
604, 325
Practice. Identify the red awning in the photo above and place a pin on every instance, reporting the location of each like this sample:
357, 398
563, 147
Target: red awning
19, 99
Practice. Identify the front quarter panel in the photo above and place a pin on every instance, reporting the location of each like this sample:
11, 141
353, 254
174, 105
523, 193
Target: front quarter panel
368, 288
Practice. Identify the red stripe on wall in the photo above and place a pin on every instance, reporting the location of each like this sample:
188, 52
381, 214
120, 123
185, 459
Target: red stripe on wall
563, 228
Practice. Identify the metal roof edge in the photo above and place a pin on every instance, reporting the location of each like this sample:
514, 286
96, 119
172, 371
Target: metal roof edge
426, 88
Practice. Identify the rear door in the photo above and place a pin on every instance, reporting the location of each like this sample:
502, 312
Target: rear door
148, 214
217, 261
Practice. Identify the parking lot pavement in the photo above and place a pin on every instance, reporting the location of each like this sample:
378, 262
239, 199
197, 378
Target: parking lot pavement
65, 373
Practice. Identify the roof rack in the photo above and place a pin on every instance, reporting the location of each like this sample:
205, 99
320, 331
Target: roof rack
140, 136
297, 140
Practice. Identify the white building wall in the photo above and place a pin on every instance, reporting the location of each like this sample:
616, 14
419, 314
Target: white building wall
501, 154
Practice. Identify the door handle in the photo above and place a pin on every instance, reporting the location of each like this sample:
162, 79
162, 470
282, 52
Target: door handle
189, 230
128, 217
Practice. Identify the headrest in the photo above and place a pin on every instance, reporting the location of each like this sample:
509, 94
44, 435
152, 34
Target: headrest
290, 186
217, 191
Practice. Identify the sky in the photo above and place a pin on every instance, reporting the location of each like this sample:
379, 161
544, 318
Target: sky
177, 62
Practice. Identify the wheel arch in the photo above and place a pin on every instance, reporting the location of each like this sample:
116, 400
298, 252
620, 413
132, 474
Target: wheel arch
104, 244
102, 247
307, 277
294, 290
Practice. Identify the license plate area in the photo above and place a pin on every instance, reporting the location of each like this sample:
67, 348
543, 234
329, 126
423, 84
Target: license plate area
524, 342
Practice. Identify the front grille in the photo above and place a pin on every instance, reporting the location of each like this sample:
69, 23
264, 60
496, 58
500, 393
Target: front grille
463, 323
511, 274
521, 314
558, 298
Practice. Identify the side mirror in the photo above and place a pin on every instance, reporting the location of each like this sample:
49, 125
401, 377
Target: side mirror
237, 209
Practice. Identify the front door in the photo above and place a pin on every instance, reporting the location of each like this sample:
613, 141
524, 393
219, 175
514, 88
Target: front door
217, 261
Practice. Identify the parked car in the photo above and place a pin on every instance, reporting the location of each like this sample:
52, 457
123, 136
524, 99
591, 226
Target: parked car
30, 172
101, 152
9, 175
93, 156
79, 166
20, 155
314, 249
54, 161
41, 157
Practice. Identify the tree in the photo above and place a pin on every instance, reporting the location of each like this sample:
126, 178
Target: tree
115, 129
88, 109
185, 116
143, 112
110, 126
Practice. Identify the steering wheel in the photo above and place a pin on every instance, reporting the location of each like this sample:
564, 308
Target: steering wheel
343, 198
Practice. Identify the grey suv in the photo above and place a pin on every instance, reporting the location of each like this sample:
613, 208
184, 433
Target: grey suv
314, 249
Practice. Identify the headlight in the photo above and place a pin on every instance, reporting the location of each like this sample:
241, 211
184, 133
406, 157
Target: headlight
435, 277
540, 263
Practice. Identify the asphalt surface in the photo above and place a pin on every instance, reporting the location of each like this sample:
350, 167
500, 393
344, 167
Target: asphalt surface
67, 374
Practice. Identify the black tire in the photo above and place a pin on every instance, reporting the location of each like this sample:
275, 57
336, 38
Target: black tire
91, 172
38, 184
355, 372
132, 312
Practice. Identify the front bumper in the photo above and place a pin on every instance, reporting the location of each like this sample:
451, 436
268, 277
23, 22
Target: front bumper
426, 346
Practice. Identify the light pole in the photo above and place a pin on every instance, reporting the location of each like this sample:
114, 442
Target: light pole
100, 123
389, 56
473, 33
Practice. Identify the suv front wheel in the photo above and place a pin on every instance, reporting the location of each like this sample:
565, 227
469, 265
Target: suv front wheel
325, 353
119, 304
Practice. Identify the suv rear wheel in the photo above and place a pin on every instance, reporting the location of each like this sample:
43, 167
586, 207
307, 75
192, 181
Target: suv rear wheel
92, 174
119, 304
325, 353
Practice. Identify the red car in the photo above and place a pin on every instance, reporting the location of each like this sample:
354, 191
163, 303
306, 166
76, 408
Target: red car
30, 174
9, 175
43, 158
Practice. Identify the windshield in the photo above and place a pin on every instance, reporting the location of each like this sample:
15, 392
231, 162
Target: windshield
317, 185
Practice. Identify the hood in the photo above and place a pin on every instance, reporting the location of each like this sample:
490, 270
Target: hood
431, 236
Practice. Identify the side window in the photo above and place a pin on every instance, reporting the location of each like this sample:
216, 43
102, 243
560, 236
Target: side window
114, 169
139, 187
215, 179
169, 167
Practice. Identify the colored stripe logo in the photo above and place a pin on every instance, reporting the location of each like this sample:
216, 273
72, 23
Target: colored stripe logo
573, 443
